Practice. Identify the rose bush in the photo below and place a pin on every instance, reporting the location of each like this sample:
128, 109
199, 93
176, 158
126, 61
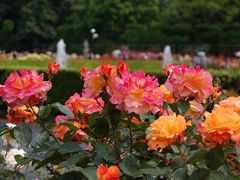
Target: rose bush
123, 125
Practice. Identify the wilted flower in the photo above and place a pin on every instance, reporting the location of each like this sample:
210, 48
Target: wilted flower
24, 88
220, 125
189, 82
164, 131
80, 105
231, 102
195, 110
22, 114
9, 159
136, 92
105, 173
60, 130
53, 68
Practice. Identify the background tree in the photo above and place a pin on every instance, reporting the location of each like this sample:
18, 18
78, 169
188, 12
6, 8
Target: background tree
36, 25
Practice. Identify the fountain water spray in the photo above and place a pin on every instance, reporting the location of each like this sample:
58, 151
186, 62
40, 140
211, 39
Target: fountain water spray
61, 56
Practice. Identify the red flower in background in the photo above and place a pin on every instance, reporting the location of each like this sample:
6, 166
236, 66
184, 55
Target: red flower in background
53, 68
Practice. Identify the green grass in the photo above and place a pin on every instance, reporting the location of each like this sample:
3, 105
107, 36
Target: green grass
74, 65
149, 66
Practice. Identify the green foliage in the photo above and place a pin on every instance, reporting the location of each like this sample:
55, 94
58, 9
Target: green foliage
215, 158
114, 138
131, 166
23, 134
39, 24
99, 126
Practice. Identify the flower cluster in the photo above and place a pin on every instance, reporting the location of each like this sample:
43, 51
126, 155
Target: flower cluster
22, 114
138, 93
24, 88
60, 129
131, 92
10, 157
186, 82
80, 105
117, 115
102, 77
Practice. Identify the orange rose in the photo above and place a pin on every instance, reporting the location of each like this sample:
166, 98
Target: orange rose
167, 95
231, 102
111, 173
165, 130
220, 125
21, 115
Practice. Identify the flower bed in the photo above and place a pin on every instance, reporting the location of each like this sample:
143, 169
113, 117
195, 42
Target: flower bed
122, 125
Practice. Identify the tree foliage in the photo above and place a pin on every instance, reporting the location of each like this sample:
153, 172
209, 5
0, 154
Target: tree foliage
28, 25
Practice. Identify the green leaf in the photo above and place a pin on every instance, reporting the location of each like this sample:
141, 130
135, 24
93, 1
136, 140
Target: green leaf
74, 159
115, 117
68, 136
175, 149
99, 126
165, 105
44, 111
18, 157
183, 106
197, 155
72, 175
215, 158
149, 164
131, 166
69, 147
3, 127
218, 175
89, 172
238, 154
174, 107
70, 126
106, 152
23, 134
147, 116
63, 109
155, 171
180, 173
199, 174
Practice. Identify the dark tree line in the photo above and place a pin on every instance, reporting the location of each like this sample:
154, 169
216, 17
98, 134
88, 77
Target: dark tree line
29, 25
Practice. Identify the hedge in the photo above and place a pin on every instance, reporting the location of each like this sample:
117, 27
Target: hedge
65, 83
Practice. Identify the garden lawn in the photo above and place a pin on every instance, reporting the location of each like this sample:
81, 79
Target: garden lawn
153, 66
149, 66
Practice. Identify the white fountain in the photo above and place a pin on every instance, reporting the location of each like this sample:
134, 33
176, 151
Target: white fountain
167, 56
61, 56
